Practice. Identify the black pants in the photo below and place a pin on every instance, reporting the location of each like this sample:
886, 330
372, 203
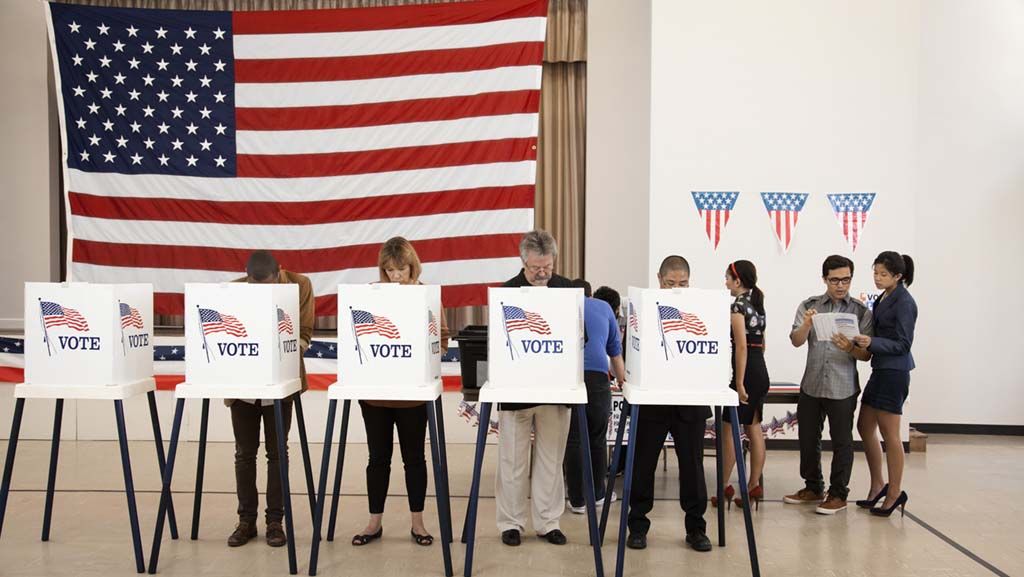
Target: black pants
811, 413
412, 433
599, 408
245, 421
653, 424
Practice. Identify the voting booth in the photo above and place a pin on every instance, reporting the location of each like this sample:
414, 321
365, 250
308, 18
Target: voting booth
389, 342
535, 346
680, 352
242, 342
389, 349
535, 341
87, 341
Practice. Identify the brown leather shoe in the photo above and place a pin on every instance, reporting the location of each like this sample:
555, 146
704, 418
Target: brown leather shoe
831, 506
244, 532
275, 534
804, 497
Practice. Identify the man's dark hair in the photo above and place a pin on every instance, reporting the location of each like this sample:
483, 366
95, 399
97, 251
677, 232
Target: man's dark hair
262, 266
610, 296
833, 262
580, 283
674, 262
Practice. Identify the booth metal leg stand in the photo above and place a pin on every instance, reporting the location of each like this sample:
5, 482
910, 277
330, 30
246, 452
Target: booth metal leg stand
437, 441
336, 494
469, 530
306, 461
628, 486
133, 516
719, 481
168, 472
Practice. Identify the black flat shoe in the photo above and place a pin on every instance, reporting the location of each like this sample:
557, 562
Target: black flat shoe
510, 538
636, 541
363, 539
698, 541
870, 503
424, 540
555, 537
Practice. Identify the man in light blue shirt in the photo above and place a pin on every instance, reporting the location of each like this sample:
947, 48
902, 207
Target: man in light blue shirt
603, 342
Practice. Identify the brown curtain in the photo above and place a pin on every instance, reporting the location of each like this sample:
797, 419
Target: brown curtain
561, 155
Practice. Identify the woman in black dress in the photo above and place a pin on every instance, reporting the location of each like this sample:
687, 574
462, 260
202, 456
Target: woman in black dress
881, 405
750, 375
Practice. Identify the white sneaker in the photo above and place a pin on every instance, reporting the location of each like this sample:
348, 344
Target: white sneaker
599, 503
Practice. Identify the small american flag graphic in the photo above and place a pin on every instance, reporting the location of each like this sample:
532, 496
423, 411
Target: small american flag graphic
517, 319
55, 315
714, 209
215, 322
634, 322
284, 322
432, 323
367, 323
672, 319
783, 211
851, 211
130, 317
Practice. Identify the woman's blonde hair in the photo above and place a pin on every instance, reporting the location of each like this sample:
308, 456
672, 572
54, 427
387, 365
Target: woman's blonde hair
399, 253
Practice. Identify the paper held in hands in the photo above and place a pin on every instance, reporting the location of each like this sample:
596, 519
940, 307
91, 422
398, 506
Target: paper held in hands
828, 324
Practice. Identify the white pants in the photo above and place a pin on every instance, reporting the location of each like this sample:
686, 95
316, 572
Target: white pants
512, 484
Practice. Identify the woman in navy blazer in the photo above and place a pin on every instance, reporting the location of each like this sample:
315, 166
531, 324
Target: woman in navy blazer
895, 315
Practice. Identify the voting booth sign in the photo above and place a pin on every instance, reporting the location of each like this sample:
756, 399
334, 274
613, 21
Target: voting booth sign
389, 342
679, 347
82, 334
241, 335
535, 344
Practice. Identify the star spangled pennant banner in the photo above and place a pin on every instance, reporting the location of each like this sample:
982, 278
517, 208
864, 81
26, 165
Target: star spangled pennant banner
851, 210
783, 211
714, 209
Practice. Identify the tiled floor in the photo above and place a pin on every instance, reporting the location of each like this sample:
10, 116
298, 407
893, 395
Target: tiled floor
969, 489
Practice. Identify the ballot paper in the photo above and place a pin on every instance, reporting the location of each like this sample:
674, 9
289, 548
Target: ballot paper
828, 324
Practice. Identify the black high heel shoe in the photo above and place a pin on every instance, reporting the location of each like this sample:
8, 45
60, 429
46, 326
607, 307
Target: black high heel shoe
901, 502
870, 503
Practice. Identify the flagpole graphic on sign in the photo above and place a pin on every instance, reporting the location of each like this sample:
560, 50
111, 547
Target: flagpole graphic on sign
851, 210
714, 209
192, 137
783, 211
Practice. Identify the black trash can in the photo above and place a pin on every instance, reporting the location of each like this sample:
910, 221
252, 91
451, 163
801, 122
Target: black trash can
472, 350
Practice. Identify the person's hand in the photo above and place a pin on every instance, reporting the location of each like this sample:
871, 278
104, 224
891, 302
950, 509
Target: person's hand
616, 387
742, 392
842, 343
862, 341
808, 315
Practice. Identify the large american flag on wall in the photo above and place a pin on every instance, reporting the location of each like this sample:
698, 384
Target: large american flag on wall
192, 138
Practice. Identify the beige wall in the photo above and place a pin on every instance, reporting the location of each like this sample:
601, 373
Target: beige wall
618, 142
28, 217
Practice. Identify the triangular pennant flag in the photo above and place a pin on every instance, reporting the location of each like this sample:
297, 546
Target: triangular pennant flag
714, 209
851, 211
783, 211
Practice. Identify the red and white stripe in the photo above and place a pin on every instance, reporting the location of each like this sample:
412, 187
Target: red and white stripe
784, 224
853, 225
353, 126
714, 224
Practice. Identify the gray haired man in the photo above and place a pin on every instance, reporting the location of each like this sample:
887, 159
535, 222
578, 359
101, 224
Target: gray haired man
516, 422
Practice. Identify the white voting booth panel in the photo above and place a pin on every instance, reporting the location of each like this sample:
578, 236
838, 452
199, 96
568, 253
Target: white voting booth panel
243, 341
87, 341
535, 346
680, 350
389, 342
